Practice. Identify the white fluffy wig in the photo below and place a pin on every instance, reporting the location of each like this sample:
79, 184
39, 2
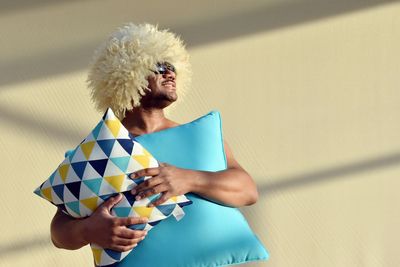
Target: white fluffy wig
121, 65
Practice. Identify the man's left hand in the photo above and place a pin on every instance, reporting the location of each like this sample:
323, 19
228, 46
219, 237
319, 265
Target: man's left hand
166, 179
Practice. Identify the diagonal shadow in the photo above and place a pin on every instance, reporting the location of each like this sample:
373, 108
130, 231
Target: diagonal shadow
15, 5
325, 175
33, 125
269, 18
11, 249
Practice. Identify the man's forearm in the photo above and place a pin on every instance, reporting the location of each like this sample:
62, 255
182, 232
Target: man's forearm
232, 187
68, 233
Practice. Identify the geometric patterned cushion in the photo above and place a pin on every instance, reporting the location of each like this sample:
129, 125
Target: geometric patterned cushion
97, 169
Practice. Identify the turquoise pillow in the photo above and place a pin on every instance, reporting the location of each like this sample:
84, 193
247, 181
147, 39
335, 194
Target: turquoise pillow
210, 234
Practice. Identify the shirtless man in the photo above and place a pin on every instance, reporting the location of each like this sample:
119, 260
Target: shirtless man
232, 187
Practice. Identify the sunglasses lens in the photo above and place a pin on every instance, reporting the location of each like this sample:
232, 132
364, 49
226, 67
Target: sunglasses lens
163, 67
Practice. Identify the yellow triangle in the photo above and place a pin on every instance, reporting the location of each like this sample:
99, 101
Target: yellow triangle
116, 181
47, 194
114, 126
174, 199
143, 211
91, 203
147, 153
63, 171
87, 148
143, 160
97, 255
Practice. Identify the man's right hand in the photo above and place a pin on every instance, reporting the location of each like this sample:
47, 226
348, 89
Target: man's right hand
108, 231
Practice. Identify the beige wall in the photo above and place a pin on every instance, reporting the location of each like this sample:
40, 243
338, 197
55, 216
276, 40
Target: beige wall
308, 92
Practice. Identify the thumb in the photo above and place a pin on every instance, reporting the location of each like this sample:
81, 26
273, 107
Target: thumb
109, 204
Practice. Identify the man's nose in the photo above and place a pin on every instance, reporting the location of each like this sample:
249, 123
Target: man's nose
169, 74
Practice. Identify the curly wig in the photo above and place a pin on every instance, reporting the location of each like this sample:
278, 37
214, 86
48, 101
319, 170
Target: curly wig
121, 65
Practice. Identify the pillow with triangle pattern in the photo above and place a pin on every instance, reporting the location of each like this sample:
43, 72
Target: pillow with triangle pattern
97, 169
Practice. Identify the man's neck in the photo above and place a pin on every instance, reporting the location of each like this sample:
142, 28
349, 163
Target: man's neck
142, 121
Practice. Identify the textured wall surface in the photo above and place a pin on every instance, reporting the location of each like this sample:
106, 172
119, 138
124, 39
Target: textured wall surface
309, 97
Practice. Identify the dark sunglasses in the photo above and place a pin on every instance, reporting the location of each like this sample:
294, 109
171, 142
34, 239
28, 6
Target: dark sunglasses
162, 68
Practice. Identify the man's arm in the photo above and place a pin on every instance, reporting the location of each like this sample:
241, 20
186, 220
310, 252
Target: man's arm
231, 187
100, 228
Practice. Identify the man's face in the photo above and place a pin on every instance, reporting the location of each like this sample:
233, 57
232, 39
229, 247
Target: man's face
162, 90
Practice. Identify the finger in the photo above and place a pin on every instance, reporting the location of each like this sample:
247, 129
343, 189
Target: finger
111, 202
164, 197
163, 164
152, 191
127, 241
123, 248
131, 234
131, 220
145, 172
147, 184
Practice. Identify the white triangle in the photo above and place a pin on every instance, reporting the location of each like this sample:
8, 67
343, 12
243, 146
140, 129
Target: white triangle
128, 184
105, 133
99, 201
72, 176
133, 166
97, 153
90, 173
84, 210
85, 192
109, 115
56, 199
112, 169
57, 179
105, 259
106, 188
123, 133
89, 138
68, 196
46, 184
153, 163
79, 156
65, 161
156, 215
124, 203
137, 149
118, 151
124, 254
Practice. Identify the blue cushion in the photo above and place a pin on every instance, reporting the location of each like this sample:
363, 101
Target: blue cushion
210, 234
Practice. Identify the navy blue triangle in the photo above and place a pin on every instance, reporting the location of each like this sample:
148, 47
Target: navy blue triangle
137, 226
166, 209
105, 197
105, 114
62, 207
182, 204
131, 198
99, 165
106, 145
59, 189
154, 223
79, 168
74, 188
116, 255
127, 144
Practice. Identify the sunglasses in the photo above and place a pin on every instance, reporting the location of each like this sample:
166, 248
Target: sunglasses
162, 68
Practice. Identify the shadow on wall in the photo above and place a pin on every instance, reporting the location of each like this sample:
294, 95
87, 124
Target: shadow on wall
284, 183
277, 15
327, 175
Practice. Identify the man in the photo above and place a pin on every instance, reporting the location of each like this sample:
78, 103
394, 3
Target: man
137, 73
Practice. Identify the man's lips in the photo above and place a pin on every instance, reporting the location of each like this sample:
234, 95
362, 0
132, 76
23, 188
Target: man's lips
170, 83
